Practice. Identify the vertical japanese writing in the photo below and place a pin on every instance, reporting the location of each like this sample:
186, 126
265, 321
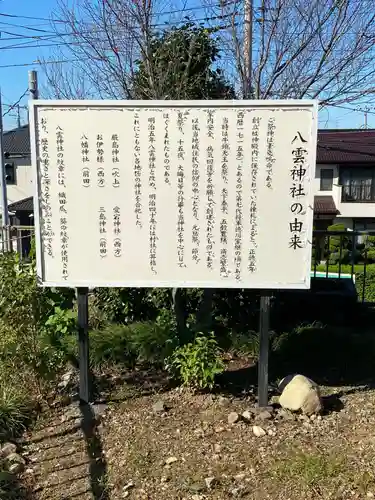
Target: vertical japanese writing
102, 233
152, 195
137, 171
86, 181
100, 160
181, 201
117, 242
210, 213
239, 203
253, 194
195, 152
297, 191
270, 157
60, 161
225, 151
167, 160
115, 161
44, 155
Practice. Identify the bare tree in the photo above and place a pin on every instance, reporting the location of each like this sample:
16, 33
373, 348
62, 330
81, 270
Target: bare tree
99, 43
320, 49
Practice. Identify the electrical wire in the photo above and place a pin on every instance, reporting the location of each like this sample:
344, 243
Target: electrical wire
16, 103
166, 13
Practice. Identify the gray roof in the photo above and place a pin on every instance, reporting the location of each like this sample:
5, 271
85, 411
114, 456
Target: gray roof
17, 141
25, 205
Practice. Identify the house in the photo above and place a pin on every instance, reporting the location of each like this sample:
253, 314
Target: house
344, 184
18, 171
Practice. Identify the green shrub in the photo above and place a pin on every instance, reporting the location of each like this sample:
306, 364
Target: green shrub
15, 405
196, 364
25, 309
142, 342
370, 255
111, 346
151, 342
335, 241
244, 344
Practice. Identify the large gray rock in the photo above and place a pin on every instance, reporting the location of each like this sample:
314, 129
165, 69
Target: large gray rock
300, 393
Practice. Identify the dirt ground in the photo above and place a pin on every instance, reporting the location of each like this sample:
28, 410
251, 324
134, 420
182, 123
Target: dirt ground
124, 448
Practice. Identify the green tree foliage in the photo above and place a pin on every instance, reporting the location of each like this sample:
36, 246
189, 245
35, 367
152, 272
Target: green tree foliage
181, 63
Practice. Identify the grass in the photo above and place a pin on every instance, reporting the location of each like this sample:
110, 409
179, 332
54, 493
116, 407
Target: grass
15, 406
310, 468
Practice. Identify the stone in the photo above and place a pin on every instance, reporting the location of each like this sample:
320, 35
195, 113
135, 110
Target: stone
299, 393
99, 410
16, 468
171, 460
260, 409
66, 379
286, 415
217, 448
159, 407
210, 482
8, 449
16, 463
219, 429
247, 415
263, 415
258, 431
233, 417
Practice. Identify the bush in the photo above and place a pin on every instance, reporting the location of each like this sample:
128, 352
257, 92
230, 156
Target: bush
196, 364
145, 343
24, 311
245, 344
15, 405
370, 255
335, 241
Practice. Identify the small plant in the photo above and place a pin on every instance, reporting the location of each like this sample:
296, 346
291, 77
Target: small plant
196, 364
15, 408
245, 344
309, 468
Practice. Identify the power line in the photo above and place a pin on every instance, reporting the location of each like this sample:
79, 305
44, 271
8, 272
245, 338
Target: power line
63, 21
38, 63
16, 103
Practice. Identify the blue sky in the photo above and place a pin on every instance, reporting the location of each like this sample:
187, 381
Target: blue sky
13, 80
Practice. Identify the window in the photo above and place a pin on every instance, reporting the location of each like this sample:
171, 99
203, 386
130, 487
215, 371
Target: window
326, 179
10, 173
358, 184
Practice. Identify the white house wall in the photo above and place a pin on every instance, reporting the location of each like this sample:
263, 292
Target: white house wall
24, 180
348, 211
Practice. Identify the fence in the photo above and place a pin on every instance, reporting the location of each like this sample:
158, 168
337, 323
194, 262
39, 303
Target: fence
346, 254
17, 239
336, 255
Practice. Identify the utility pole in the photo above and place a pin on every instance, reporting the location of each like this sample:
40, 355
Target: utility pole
367, 109
33, 84
248, 48
18, 116
4, 200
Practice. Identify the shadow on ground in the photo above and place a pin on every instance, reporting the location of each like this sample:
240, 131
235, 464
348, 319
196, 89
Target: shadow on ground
329, 355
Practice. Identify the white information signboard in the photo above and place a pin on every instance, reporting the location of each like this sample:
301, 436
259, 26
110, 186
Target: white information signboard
174, 193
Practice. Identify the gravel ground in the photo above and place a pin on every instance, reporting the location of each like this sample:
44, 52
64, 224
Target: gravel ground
176, 445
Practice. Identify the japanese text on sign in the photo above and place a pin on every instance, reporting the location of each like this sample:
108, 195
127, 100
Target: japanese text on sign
174, 194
